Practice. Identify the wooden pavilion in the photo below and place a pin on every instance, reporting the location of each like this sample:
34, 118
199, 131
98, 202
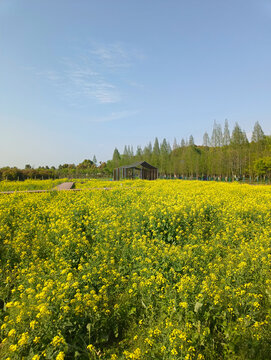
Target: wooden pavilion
139, 170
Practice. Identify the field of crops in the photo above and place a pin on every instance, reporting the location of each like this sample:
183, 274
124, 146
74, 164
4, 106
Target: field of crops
79, 184
162, 270
99, 184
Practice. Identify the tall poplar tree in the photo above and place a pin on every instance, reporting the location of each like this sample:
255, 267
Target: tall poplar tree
219, 135
147, 152
182, 142
116, 158
216, 139
156, 153
164, 156
238, 142
191, 140
257, 134
139, 153
175, 145
226, 134
238, 136
206, 139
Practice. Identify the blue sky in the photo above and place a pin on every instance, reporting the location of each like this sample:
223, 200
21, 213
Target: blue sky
78, 78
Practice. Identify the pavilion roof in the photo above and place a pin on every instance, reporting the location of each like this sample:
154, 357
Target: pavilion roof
144, 164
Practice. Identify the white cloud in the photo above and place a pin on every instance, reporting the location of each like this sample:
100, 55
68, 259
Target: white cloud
136, 84
104, 92
115, 116
112, 56
82, 84
91, 74
91, 85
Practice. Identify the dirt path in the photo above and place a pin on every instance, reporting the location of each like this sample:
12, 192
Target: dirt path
65, 186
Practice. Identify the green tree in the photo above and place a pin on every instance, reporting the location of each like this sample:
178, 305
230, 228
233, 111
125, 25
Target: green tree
175, 145
191, 140
94, 160
216, 139
139, 153
165, 151
116, 158
147, 152
238, 136
226, 134
156, 154
130, 151
257, 134
86, 164
239, 154
206, 139
262, 166
125, 158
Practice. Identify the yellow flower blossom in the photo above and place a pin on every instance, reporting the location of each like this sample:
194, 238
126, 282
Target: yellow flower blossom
60, 356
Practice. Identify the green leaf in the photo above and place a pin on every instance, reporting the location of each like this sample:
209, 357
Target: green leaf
197, 306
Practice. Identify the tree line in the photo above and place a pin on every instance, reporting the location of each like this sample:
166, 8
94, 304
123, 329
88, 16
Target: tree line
87, 168
222, 155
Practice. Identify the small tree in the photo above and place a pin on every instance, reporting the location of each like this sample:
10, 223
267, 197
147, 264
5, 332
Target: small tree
94, 160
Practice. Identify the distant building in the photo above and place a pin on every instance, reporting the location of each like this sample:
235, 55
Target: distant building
139, 170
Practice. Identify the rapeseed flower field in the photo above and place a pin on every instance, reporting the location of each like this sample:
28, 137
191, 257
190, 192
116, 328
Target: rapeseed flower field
159, 270
99, 184
30, 185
